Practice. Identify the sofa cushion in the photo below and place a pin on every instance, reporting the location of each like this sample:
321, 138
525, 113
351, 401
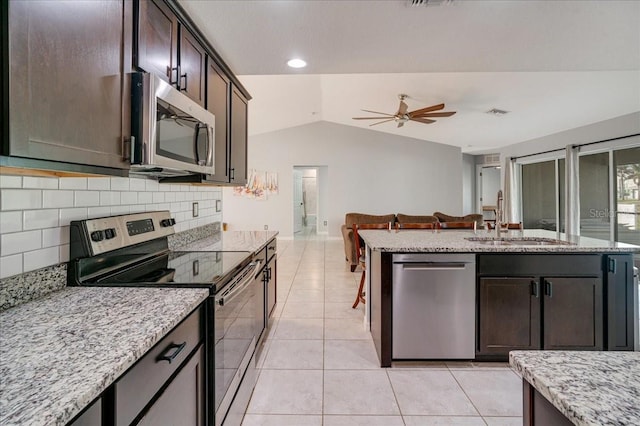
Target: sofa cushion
405, 218
360, 218
467, 218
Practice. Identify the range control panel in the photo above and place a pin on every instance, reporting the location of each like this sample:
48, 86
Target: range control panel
96, 236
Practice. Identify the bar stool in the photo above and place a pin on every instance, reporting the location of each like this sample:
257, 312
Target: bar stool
361, 255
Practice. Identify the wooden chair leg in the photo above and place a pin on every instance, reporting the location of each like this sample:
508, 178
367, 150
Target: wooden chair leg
359, 297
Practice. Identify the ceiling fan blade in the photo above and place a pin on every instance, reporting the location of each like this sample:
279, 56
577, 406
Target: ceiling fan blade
402, 110
375, 124
427, 109
422, 120
435, 114
371, 118
376, 112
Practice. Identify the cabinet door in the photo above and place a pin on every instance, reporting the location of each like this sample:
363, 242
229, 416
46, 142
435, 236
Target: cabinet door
619, 292
192, 66
66, 76
508, 315
238, 157
182, 402
157, 37
218, 104
272, 273
572, 313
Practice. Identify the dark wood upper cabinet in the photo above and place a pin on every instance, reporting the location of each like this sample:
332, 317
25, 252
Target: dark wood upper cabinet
67, 91
218, 91
238, 160
192, 67
157, 39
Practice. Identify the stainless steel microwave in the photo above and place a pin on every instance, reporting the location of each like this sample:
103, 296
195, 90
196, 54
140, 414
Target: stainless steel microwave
171, 135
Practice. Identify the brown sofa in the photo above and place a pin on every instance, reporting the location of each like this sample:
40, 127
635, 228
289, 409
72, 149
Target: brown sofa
361, 218
347, 233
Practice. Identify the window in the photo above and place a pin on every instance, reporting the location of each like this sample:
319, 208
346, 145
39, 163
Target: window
594, 196
627, 213
539, 195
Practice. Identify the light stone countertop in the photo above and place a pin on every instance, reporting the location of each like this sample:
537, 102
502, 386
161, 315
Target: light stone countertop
589, 388
58, 353
455, 241
252, 241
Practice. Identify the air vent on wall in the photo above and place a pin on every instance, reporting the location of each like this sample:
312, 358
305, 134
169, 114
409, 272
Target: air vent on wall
496, 111
414, 3
491, 159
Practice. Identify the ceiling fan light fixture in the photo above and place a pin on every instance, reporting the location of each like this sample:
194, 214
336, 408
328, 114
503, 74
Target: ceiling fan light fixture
296, 63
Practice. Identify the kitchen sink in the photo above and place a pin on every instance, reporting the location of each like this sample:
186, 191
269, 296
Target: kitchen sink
518, 241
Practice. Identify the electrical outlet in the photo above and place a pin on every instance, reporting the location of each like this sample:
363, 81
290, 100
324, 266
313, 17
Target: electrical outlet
325, 223
195, 211
266, 227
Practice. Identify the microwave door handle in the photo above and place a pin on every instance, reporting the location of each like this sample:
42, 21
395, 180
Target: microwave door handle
210, 145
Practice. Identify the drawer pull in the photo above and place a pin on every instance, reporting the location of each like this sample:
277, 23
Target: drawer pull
171, 352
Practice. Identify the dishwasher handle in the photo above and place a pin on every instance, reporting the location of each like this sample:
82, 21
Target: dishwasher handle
434, 266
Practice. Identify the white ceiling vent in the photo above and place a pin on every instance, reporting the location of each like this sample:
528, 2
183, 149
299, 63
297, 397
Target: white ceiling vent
491, 159
496, 111
414, 3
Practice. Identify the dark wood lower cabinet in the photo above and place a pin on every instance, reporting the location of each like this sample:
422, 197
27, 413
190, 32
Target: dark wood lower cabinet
508, 315
537, 411
92, 416
572, 313
182, 401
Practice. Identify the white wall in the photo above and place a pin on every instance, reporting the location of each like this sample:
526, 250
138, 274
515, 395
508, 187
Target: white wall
468, 183
367, 171
607, 129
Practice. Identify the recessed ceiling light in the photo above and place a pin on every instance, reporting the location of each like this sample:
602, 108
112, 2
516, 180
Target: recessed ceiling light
297, 63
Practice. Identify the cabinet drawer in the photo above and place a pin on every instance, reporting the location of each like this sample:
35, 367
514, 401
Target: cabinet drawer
271, 248
138, 386
540, 264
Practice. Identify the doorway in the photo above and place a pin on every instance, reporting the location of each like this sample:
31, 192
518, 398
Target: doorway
488, 179
308, 200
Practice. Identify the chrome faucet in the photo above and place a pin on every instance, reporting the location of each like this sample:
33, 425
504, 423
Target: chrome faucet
499, 213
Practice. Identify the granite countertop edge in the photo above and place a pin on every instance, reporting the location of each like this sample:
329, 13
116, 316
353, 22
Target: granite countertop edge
73, 344
249, 241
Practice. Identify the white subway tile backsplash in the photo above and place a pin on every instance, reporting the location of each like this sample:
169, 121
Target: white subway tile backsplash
136, 184
40, 258
19, 242
144, 197
63, 253
39, 182
86, 198
11, 265
67, 215
40, 219
119, 184
55, 236
10, 221
109, 198
35, 212
94, 212
129, 198
73, 183
57, 199
99, 183
7, 181
20, 199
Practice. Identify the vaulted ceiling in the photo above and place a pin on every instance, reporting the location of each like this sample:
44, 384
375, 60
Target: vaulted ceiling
554, 65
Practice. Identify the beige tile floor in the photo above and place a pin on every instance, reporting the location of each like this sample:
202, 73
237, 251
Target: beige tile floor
319, 367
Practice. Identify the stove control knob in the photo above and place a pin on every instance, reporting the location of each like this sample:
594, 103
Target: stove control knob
110, 233
167, 222
97, 236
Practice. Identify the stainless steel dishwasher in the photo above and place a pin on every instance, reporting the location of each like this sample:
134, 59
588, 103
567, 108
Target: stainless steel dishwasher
433, 306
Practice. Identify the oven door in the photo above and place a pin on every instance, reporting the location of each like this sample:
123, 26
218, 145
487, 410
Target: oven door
235, 339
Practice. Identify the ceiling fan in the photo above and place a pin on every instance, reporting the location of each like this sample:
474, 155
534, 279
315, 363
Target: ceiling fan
422, 115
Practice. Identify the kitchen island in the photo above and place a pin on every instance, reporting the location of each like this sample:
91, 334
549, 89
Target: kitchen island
581, 388
533, 289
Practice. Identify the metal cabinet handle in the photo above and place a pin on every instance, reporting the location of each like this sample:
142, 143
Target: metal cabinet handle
183, 88
232, 173
612, 265
171, 352
535, 288
548, 288
173, 82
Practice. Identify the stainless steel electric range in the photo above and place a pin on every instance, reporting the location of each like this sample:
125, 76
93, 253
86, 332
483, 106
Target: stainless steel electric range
132, 250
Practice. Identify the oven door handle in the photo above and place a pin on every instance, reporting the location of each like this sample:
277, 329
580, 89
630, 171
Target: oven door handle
228, 297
